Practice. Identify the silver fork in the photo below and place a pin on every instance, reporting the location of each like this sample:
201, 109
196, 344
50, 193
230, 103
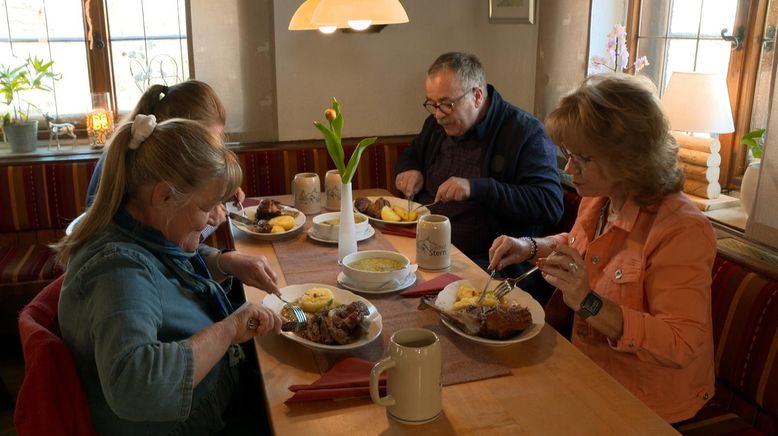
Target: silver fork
428, 205
507, 285
242, 210
300, 319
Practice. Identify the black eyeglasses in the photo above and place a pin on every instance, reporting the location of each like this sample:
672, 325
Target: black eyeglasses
579, 159
445, 107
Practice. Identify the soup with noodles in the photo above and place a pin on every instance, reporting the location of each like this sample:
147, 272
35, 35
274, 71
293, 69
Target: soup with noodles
377, 264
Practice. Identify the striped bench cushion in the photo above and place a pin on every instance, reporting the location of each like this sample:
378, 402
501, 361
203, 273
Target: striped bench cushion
745, 334
270, 172
27, 263
42, 195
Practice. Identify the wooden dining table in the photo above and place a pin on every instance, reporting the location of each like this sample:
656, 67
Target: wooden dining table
552, 387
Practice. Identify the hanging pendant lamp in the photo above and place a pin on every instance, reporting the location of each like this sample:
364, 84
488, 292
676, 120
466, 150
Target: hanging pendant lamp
328, 15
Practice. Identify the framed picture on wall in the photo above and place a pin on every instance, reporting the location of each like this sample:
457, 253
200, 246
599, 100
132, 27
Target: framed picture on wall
512, 11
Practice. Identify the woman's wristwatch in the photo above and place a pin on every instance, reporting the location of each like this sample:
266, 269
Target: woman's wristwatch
590, 305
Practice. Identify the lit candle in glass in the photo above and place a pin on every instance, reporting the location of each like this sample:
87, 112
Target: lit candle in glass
99, 121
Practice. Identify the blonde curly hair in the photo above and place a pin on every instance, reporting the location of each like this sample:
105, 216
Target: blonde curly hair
619, 120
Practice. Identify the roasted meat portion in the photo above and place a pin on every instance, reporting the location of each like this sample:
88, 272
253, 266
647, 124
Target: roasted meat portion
371, 208
499, 322
495, 322
336, 325
267, 209
362, 204
262, 226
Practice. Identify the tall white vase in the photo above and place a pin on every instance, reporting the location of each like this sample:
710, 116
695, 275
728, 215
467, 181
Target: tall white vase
748, 187
347, 238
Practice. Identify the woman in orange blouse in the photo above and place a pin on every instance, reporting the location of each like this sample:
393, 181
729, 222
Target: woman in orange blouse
636, 266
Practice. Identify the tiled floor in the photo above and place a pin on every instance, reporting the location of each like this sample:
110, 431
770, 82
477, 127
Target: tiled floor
12, 373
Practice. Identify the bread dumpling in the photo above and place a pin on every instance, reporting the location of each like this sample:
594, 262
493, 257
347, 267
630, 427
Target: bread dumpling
315, 299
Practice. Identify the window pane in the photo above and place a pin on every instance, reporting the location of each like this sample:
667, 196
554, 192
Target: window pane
654, 50
129, 61
134, 73
65, 19
149, 45
680, 57
29, 100
717, 15
72, 92
62, 42
164, 19
125, 18
26, 19
653, 17
713, 56
685, 20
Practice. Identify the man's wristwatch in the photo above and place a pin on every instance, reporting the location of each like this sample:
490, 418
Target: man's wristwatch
590, 305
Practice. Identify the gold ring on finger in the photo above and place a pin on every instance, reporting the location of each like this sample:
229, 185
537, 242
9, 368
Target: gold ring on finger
252, 323
572, 266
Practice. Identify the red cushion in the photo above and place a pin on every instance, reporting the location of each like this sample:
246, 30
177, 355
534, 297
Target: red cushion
51, 399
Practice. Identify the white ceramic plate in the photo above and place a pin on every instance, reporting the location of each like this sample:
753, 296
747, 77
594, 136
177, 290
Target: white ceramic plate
366, 235
408, 281
448, 296
341, 296
251, 211
403, 203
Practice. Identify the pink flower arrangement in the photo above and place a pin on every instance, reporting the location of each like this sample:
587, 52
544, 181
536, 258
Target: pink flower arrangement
618, 55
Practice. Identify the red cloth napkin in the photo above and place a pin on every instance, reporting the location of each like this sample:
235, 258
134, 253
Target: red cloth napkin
431, 287
349, 377
407, 231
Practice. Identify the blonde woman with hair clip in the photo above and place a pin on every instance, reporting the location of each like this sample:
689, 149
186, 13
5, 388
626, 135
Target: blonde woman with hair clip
151, 330
636, 266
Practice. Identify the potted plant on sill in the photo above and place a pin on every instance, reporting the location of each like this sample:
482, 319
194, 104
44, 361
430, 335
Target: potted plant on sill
755, 142
15, 81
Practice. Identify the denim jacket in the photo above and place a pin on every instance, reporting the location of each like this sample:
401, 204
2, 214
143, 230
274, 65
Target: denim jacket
126, 320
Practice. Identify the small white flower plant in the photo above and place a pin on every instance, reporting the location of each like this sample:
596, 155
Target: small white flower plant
618, 55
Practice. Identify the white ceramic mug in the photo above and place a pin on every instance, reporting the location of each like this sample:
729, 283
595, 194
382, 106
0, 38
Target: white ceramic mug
306, 190
433, 242
332, 184
413, 377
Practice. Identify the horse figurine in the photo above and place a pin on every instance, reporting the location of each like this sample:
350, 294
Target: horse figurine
57, 129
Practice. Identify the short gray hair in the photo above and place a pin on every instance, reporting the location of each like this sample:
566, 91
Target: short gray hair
465, 65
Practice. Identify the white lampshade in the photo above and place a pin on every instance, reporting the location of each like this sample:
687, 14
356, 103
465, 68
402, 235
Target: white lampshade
698, 102
357, 14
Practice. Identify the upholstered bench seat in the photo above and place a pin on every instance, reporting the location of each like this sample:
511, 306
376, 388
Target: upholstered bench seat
24, 270
25, 263
745, 334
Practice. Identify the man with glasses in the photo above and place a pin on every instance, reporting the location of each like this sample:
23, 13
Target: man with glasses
488, 164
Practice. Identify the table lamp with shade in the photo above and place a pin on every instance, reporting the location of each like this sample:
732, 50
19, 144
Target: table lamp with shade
699, 103
329, 15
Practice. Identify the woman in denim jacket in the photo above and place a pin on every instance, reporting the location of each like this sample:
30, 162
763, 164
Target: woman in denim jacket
151, 329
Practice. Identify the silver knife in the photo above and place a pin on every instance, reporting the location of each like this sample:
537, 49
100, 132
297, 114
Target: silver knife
241, 219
